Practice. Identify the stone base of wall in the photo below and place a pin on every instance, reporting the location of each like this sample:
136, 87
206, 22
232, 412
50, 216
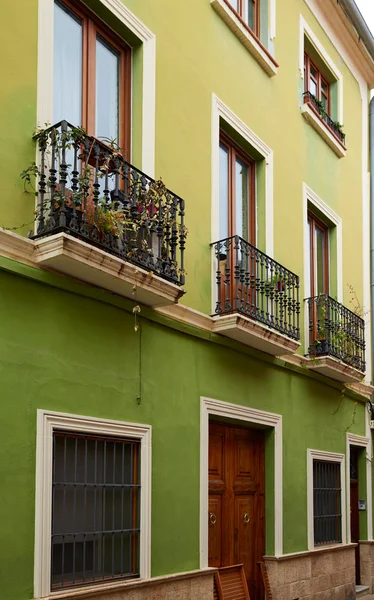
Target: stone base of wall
367, 564
324, 574
194, 585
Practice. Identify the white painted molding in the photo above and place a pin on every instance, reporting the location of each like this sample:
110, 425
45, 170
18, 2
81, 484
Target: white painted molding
248, 40
341, 48
47, 422
326, 456
208, 407
362, 442
45, 72
310, 197
221, 111
305, 29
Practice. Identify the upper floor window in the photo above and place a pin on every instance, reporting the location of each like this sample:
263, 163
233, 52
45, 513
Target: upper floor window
91, 74
316, 84
319, 256
249, 11
237, 185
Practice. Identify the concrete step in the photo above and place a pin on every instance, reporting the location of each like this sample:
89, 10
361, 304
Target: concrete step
362, 591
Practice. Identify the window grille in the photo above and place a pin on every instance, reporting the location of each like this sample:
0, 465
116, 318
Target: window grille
95, 509
327, 502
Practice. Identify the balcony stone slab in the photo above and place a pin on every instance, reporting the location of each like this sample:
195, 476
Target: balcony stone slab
335, 369
254, 334
82, 261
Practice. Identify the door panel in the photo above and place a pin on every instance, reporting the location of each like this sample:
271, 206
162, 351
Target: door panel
237, 500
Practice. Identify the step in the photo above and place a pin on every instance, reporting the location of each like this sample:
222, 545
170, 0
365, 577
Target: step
362, 591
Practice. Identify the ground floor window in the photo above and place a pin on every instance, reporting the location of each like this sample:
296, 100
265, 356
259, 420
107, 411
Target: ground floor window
95, 509
327, 502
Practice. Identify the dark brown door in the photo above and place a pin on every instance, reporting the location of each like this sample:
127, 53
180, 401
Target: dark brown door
355, 521
237, 500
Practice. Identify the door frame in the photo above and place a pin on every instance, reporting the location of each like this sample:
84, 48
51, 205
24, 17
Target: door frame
363, 442
210, 407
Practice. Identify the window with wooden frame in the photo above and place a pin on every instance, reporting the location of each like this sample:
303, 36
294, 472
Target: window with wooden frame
249, 12
319, 256
316, 84
237, 191
95, 509
327, 502
91, 74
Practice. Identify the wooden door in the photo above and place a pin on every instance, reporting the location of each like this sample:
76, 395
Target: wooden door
237, 500
355, 521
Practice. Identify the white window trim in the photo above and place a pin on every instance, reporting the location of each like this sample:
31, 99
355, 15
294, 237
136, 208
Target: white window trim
333, 457
47, 422
45, 72
221, 111
248, 40
305, 30
310, 197
209, 406
362, 442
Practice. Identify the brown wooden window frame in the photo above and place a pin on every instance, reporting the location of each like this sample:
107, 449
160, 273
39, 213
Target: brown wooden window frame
313, 221
93, 27
241, 14
234, 152
318, 80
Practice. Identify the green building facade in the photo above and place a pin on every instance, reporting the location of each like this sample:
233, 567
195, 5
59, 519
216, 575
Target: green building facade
186, 375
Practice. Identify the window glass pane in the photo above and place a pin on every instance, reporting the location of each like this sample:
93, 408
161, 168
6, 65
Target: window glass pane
313, 72
223, 192
107, 90
324, 87
234, 4
250, 14
312, 86
67, 66
241, 199
320, 260
324, 102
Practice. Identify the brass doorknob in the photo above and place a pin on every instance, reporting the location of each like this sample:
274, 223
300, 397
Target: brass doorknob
212, 518
246, 518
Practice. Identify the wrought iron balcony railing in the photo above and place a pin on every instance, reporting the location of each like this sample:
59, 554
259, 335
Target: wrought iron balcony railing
87, 189
336, 331
317, 105
253, 284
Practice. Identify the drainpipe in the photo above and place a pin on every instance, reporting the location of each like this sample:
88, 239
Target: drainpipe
371, 158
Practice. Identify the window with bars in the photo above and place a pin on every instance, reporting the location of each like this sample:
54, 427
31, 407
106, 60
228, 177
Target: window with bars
95, 509
327, 502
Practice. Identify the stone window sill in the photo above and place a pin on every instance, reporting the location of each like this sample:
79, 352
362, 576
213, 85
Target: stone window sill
320, 126
246, 36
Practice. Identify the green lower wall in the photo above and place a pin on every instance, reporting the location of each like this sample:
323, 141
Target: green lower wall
66, 352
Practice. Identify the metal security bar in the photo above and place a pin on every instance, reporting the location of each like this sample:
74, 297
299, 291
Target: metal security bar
327, 502
336, 331
316, 104
87, 189
95, 509
255, 285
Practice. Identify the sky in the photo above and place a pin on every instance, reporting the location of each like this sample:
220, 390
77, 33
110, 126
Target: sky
367, 10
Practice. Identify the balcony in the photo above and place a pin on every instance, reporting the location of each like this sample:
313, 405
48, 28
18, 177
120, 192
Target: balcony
101, 220
257, 299
328, 129
336, 340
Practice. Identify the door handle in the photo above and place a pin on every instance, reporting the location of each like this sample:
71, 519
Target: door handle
212, 518
246, 518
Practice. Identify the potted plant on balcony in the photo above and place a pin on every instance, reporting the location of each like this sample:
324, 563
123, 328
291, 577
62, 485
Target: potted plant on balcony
277, 282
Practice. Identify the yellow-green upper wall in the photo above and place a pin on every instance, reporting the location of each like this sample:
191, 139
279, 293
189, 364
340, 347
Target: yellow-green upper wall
197, 55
